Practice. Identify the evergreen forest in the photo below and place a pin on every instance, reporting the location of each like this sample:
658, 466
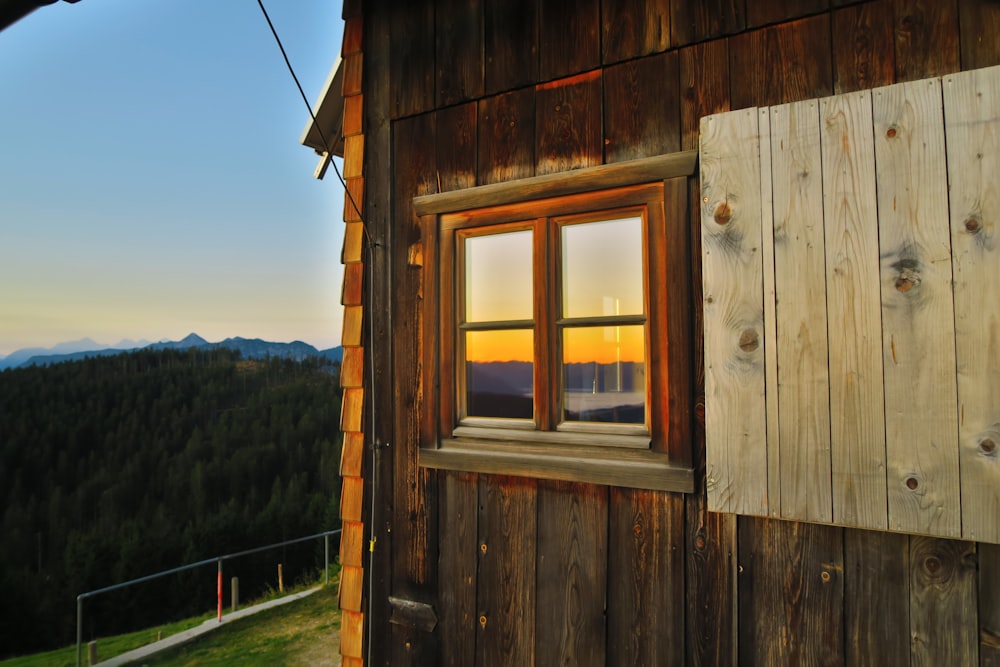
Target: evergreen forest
113, 468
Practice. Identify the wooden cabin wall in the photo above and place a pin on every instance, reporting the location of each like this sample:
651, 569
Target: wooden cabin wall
520, 571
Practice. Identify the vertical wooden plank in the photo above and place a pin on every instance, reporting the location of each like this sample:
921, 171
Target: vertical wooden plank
731, 275
710, 537
569, 36
710, 585
568, 124
785, 63
791, 593
989, 605
506, 137
694, 21
857, 432
943, 616
505, 630
979, 24
510, 44
918, 341
926, 38
704, 87
459, 549
633, 28
770, 315
863, 47
776, 11
411, 69
572, 574
641, 108
415, 514
377, 205
971, 126
459, 50
876, 598
799, 276
456, 147
645, 578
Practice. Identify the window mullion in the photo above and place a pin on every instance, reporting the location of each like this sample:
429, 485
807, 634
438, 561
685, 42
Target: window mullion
542, 279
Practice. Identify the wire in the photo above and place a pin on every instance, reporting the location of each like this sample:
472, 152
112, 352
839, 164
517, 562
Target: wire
302, 93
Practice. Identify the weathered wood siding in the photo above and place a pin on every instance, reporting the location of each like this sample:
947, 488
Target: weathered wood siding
521, 571
858, 239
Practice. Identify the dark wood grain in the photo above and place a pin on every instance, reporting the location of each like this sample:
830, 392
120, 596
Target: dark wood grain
414, 502
710, 569
507, 559
943, 592
377, 206
510, 42
863, 52
791, 593
694, 21
633, 28
776, 11
641, 109
786, 63
568, 124
989, 604
645, 622
459, 50
506, 137
979, 22
569, 36
456, 129
411, 72
926, 38
704, 88
459, 549
876, 597
572, 577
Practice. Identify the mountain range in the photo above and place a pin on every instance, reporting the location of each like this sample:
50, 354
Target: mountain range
250, 348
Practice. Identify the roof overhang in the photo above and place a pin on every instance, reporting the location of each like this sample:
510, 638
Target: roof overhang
12, 11
329, 120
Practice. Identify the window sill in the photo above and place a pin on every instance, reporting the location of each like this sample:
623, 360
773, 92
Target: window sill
613, 466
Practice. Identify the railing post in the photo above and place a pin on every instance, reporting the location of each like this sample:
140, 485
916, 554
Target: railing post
79, 631
220, 590
326, 559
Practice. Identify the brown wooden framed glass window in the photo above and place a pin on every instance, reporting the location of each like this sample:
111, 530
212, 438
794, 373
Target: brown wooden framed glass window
556, 334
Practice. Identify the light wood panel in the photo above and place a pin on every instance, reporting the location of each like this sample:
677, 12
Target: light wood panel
851, 231
918, 338
971, 100
799, 276
732, 280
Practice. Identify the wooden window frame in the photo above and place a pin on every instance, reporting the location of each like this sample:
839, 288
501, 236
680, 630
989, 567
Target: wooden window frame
659, 460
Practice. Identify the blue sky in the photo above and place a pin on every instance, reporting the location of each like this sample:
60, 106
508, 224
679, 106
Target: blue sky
151, 179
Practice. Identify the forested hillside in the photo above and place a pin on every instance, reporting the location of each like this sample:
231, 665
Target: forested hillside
112, 468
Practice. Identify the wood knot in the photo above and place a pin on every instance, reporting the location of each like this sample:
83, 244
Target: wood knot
912, 483
637, 529
699, 542
987, 446
973, 224
907, 280
891, 133
932, 564
723, 214
825, 577
749, 340
482, 620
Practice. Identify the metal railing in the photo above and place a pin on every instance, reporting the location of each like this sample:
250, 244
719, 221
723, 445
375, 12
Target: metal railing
217, 559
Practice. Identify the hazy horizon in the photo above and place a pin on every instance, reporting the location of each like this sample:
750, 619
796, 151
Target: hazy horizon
152, 183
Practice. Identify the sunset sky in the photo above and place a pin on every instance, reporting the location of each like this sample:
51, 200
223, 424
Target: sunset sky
151, 179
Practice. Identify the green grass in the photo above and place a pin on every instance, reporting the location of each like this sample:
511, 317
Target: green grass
304, 632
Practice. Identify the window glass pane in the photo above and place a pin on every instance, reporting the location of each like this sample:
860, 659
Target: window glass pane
602, 268
604, 374
498, 277
499, 373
